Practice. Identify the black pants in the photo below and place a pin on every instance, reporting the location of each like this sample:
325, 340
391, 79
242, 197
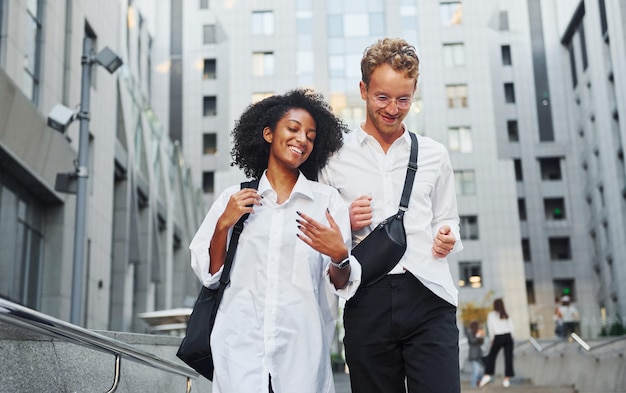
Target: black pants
569, 328
500, 341
399, 332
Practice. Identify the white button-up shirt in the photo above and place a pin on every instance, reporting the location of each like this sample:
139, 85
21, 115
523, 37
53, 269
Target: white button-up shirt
361, 167
497, 326
278, 315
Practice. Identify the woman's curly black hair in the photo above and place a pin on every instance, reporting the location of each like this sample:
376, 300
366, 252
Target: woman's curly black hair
251, 151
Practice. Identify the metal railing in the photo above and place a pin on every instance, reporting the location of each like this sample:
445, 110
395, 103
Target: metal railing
38, 322
573, 337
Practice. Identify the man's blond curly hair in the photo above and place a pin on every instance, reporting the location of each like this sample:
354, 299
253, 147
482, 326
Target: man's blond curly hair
396, 52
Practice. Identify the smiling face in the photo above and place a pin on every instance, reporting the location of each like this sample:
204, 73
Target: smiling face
293, 139
386, 121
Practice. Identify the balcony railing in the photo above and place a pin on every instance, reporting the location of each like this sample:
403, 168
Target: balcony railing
41, 323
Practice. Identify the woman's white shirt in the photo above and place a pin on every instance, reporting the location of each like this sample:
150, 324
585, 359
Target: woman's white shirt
497, 326
279, 313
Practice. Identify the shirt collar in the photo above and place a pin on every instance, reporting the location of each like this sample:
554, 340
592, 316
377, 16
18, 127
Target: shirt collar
302, 186
362, 135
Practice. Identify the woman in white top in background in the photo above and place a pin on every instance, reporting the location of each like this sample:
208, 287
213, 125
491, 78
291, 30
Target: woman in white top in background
500, 329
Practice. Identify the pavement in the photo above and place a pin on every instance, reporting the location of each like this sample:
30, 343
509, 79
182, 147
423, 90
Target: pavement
342, 385
342, 382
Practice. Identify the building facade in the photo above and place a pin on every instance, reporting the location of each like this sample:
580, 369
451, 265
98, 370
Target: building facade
526, 95
142, 206
495, 87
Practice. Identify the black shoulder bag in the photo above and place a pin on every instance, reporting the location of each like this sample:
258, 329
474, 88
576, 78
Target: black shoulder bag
195, 349
382, 249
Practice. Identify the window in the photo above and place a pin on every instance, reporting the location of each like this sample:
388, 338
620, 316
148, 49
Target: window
209, 36
572, 63
256, 97
305, 62
512, 132
603, 20
451, 13
209, 143
526, 250
204, 4
504, 20
1, 29
519, 175
208, 182
530, 292
263, 63
337, 66
21, 225
465, 182
460, 139
377, 24
304, 23
468, 227
470, 274
456, 96
509, 93
560, 249
335, 25
564, 286
263, 23
506, 55
601, 194
554, 208
210, 69
209, 106
32, 50
521, 209
453, 55
356, 25
550, 168
583, 45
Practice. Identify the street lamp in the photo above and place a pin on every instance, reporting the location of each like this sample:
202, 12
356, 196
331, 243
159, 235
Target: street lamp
59, 118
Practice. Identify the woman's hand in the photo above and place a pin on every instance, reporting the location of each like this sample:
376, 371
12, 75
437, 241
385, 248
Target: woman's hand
324, 239
239, 203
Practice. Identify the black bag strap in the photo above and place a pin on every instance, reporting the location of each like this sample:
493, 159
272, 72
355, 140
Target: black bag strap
410, 175
232, 247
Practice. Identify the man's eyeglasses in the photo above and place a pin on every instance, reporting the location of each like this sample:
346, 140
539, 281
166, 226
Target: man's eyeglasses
401, 102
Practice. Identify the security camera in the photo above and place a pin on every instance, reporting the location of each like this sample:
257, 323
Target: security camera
108, 59
60, 117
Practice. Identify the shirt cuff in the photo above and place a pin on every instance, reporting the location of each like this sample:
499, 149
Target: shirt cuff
354, 281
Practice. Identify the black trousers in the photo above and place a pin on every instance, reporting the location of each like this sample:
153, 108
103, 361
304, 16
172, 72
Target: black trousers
399, 335
500, 341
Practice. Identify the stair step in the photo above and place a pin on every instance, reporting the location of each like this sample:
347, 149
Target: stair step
517, 386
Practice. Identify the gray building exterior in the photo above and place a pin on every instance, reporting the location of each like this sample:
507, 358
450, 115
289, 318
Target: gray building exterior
526, 95
495, 87
142, 205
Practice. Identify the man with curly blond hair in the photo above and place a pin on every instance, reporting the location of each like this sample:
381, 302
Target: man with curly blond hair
400, 331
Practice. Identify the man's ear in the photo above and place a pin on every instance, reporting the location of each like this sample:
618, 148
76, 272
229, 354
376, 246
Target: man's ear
363, 89
268, 135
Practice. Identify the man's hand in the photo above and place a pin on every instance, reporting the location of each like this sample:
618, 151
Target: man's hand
361, 212
444, 242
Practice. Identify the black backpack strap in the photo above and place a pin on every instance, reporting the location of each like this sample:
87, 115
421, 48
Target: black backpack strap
234, 239
410, 175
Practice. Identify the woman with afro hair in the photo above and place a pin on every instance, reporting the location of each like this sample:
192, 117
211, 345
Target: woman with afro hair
277, 318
